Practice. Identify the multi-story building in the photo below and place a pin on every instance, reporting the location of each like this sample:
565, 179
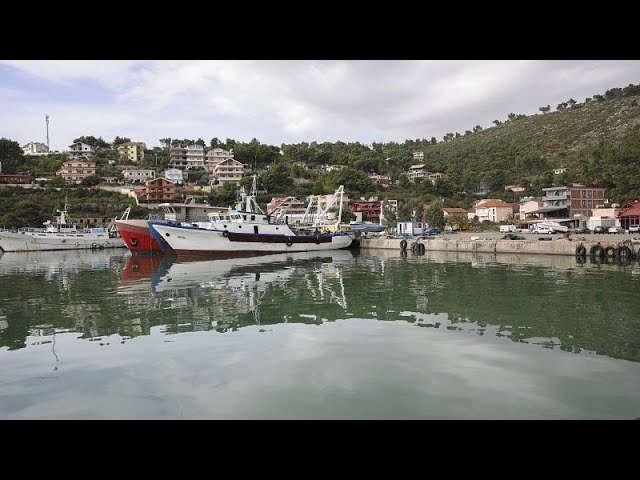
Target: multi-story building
174, 175
382, 180
419, 156
158, 189
572, 201
134, 175
434, 177
369, 209
188, 157
290, 205
80, 150
216, 156
417, 171
530, 207
35, 148
585, 199
494, 210
228, 171
76, 170
132, 151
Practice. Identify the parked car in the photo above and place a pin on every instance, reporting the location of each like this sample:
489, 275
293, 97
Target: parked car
616, 230
432, 231
634, 229
448, 229
598, 229
543, 230
508, 228
582, 230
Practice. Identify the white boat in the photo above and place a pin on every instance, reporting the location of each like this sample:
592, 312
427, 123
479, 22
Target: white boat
552, 225
62, 234
246, 232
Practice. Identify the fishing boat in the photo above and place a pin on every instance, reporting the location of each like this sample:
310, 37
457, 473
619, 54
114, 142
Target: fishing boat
138, 237
62, 234
249, 231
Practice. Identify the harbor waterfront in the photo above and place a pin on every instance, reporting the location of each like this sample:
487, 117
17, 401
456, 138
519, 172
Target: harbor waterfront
368, 334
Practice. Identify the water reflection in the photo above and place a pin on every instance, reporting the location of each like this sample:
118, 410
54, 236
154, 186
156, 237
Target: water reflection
554, 302
224, 294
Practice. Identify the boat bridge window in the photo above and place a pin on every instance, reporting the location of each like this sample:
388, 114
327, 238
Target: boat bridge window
244, 217
253, 217
255, 229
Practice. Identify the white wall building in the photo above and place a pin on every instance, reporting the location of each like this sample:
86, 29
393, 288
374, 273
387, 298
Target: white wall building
229, 170
191, 156
35, 148
80, 150
174, 175
216, 156
132, 175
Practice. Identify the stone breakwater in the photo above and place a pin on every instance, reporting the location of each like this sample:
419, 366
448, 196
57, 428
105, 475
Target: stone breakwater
555, 246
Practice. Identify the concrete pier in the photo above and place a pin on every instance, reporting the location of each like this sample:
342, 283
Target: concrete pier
449, 243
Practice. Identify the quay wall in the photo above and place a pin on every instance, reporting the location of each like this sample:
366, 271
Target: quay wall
556, 246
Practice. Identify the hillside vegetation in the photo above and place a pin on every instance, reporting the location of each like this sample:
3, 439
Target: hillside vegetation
597, 140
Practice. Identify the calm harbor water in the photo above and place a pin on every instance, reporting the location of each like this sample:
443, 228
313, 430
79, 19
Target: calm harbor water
365, 335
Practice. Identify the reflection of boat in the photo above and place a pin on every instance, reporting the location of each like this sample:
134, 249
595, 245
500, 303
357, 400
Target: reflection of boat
136, 233
54, 262
248, 231
176, 273
62, 234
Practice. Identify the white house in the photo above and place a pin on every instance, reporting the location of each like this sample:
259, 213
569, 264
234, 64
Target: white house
494, 210
132, 175
191, 156
174, 175
35, 148
80, 150
229, 170
417, 171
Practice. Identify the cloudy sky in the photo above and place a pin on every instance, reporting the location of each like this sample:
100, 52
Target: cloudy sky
285, 101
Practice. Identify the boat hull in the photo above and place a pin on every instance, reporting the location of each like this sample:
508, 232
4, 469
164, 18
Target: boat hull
138, 238
198, 241
38, 241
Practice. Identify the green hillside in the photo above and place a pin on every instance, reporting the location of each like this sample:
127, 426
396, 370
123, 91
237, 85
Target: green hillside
598, 142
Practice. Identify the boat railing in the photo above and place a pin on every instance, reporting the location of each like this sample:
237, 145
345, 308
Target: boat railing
24, 230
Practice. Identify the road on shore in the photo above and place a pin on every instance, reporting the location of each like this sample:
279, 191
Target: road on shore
533, 236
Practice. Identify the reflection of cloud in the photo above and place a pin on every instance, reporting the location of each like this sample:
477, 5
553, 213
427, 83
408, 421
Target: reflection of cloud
348, 369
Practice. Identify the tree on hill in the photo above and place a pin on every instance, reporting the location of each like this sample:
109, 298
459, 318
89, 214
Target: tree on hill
93, 141
120, 140
545, 109
435, 215
11, 155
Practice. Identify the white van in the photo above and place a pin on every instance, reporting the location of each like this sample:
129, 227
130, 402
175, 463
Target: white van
508, 228
543, 230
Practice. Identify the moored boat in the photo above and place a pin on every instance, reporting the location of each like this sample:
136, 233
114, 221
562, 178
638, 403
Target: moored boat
139, 239
248, 231
63, 234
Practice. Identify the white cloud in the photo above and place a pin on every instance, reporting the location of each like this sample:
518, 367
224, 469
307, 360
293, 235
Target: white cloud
290, 101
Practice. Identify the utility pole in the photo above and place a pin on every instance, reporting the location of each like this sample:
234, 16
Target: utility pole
46, 118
